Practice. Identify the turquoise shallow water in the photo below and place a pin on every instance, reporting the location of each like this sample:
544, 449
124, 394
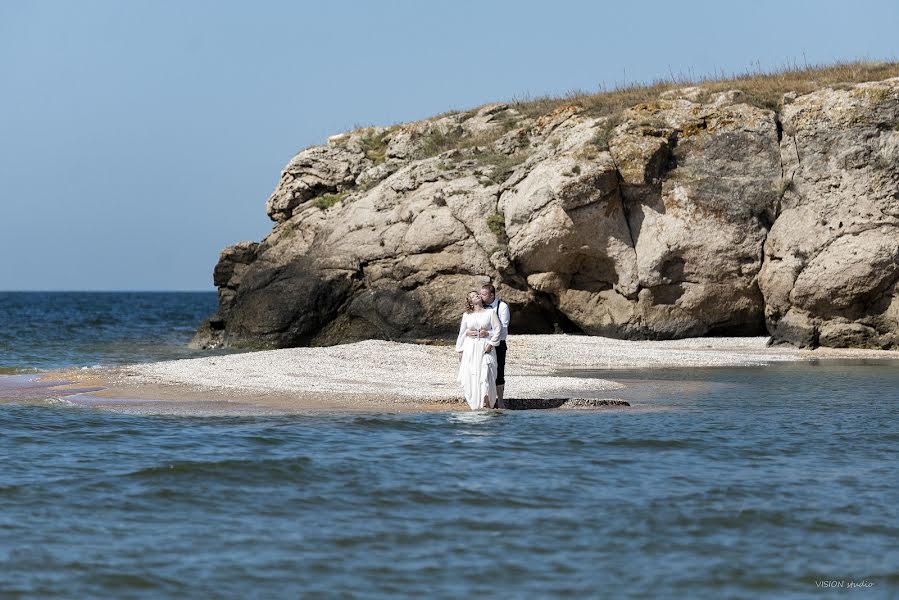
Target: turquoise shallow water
717, 483
753, 483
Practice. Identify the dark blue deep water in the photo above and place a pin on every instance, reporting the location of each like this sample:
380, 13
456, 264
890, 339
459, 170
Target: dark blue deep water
49, 330
717, 483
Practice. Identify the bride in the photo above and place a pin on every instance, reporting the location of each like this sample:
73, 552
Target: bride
477, 360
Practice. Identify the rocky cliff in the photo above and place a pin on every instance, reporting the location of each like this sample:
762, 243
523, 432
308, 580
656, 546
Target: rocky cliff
693, 214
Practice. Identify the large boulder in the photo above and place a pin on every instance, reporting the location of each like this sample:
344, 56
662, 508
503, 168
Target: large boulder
832, 256
660, 236
691, 215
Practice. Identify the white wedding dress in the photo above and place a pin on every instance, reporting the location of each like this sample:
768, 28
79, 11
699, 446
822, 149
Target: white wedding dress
477, 371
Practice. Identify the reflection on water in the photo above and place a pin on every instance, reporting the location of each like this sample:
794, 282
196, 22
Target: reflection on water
474, 417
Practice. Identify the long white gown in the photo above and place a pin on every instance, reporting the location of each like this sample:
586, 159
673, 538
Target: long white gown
477, 371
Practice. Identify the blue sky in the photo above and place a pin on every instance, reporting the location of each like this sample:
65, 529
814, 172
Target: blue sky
138, 138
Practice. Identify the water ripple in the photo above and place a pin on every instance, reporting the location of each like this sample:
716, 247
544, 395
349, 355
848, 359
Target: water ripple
715, 497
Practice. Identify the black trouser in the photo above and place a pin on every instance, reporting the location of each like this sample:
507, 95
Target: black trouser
501, 363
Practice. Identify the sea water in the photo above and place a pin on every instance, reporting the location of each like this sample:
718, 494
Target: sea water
50, 330
775, 481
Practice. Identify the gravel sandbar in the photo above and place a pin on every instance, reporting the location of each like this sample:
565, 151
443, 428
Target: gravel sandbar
381, 375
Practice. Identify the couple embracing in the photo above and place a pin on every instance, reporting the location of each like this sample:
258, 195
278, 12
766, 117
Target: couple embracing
481, 346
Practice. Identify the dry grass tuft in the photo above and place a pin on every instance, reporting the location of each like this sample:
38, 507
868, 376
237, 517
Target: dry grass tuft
437, 141
326, 201
374, 145
763, 89
497, 224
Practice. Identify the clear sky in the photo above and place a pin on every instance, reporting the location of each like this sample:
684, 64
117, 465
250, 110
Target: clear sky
140, 137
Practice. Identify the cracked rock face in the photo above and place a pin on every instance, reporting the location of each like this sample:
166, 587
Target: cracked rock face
675, 248
675, 218
832, 256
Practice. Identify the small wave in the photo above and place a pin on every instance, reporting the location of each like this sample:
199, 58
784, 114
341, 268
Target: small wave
20, 370
265, 440
653, 443
60, 401
392, 496
11, 490
129, 581
383, 422
229, 470
745, 519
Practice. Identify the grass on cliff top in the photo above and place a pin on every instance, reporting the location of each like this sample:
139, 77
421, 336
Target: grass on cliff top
375, 145
764, 89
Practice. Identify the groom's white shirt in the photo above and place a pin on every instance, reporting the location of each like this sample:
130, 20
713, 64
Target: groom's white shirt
502, 311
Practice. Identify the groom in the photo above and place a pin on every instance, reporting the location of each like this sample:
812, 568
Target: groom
488, 296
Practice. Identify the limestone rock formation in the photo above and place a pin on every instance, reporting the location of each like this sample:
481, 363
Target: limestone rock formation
690, 215
832, 256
